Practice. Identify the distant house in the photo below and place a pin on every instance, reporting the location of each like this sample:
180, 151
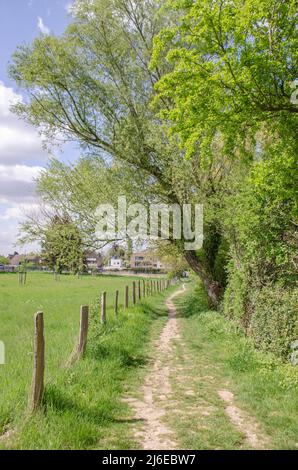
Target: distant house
93, 260
143, 260
116, 263
33, 259
16, 259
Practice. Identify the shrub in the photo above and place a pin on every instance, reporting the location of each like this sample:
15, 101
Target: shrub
269, 313
274, 319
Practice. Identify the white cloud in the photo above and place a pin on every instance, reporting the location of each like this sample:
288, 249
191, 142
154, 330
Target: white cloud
19, 173
19, 142
8, 235
42, 27
8, 238
17, 184
10, 217
7, 98
17, 213
21, 160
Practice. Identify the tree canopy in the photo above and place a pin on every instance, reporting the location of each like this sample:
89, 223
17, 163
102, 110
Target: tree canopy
62, 246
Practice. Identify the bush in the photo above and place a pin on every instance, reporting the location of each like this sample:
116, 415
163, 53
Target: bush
269, 314
274, 319
261, 292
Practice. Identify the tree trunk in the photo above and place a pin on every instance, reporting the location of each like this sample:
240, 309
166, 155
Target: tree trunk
213, 288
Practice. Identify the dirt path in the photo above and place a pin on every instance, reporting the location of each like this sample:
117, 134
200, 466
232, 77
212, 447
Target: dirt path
156, 391
177, 391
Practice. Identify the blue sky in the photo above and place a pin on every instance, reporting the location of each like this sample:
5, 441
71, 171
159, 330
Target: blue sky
19, 24
21, 153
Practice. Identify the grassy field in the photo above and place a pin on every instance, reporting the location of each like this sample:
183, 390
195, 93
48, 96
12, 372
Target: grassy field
60, 301
223, 358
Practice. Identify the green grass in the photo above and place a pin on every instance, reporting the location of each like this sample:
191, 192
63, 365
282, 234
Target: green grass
223, 358
78, 399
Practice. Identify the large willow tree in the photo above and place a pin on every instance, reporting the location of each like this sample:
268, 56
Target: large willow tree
95, 85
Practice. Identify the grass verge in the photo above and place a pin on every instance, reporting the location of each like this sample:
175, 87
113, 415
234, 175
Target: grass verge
221, 357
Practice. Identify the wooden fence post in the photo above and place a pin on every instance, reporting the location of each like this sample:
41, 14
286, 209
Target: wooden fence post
144, 288
103, 317
84, 319
126, 300
116, 302
37, 391
134, 292
151, 287
139, 290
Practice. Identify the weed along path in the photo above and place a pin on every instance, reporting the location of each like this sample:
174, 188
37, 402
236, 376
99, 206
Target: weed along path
151, 408
185, 401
